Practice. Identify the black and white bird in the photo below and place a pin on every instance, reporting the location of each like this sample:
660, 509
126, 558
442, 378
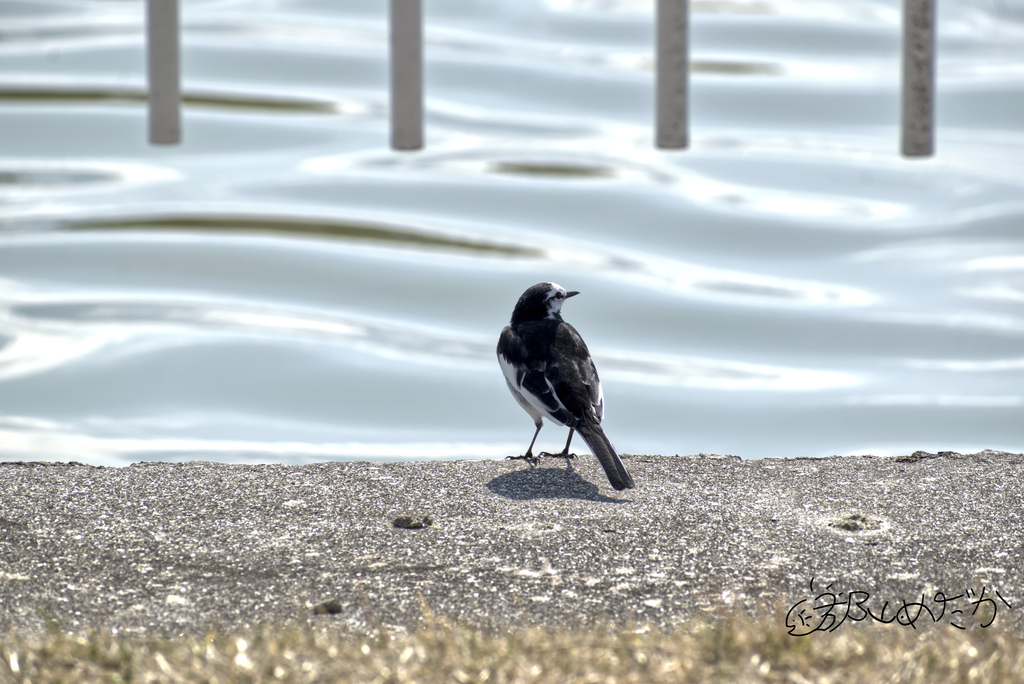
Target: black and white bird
550, 373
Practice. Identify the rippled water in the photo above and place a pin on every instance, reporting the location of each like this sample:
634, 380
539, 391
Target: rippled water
283, 287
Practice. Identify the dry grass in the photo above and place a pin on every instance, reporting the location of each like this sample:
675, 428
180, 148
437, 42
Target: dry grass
733, 649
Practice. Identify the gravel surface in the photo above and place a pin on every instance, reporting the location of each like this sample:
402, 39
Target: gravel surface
174, 548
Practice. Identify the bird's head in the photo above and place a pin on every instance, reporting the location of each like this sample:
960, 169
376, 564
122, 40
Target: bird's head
543, 300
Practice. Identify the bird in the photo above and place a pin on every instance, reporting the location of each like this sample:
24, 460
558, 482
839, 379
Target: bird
551, 374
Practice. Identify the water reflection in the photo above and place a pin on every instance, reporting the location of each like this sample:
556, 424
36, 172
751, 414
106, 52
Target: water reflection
575, 160
974, 401
719, 374
50, 334
1000, 263
22, 179
960, 366
31, 438
283, 287
551, 169
632, 267
405, 236
101, 94
645, 8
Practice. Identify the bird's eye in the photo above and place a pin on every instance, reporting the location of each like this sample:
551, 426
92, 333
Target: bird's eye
559, 295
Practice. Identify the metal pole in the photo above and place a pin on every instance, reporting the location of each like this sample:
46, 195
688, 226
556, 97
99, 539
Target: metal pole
164, 72
918, 77
406, 74
673, 74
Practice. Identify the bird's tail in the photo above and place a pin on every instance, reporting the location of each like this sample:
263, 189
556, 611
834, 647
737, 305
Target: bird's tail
605, 452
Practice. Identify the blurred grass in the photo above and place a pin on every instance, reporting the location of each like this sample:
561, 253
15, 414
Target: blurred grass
730, 649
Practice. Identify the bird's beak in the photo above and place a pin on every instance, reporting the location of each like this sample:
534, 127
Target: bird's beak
571, 294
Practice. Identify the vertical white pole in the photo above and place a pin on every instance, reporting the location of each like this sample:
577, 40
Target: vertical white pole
406, 74
918, 77
164, 72
673, 74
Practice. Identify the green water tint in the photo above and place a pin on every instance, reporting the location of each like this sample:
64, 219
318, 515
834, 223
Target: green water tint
550, 170
48, 177
292, 227
736, 68
138, 96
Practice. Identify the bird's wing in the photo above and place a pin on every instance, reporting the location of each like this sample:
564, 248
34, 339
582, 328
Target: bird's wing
539, 390
531, 376
578, 385
510, 357
593, 384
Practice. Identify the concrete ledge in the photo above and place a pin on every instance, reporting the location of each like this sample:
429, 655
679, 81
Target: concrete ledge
174, 548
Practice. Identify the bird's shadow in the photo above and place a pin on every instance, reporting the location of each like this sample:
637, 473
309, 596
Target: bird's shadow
547, 483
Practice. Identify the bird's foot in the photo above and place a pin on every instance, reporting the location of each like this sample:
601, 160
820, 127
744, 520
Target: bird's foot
561, 454
528, 457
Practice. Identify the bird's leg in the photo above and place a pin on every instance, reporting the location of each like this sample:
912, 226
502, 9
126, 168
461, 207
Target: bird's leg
528, 456
565, 452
